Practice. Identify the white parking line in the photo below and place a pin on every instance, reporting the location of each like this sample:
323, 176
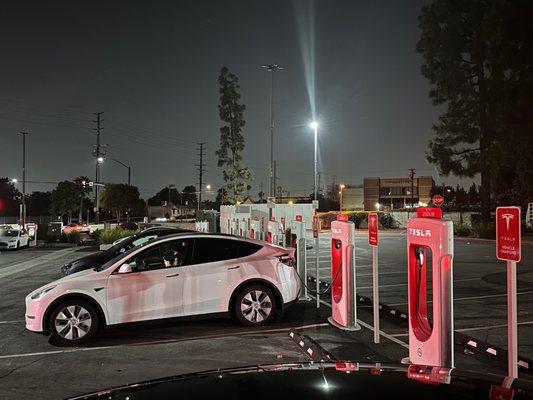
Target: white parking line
364, 324
155, 342
12, 322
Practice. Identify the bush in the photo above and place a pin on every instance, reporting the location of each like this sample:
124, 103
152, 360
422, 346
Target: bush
108, 236
484, 230
462, 230
326, 219
386, 221
475, 219
357, 218
71, 237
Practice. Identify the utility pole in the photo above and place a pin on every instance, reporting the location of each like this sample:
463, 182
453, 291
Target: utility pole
23, 206
274, 179
200, 166
97, 154
271, 68
412, 177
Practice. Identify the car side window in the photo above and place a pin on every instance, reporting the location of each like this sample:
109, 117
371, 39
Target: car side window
147, 260
207, 250
144, 239
177, 253
245, 249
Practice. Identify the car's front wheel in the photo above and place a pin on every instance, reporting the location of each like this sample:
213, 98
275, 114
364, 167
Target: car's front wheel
73, 322
255, 305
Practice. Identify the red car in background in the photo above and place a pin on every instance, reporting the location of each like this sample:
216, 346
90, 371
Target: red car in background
76, 226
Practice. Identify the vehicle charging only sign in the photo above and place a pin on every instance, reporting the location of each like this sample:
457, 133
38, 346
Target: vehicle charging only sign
373, 229
508, 234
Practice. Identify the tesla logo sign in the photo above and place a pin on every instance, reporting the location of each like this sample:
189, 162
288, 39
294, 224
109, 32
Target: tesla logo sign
373, 229
419, 232
508, 234
438, 200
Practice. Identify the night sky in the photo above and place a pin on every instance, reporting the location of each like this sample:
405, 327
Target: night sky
152, 68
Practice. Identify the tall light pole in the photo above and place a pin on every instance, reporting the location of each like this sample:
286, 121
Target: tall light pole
23, 206
314, 126
271, 68
124, 165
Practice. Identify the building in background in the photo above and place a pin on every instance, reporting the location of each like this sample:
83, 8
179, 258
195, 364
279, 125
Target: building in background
169, 211
396, 193
352, 198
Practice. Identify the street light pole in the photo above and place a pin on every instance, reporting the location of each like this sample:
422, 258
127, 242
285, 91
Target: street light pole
125, 166
342, 186
314, 126
23, 210
271, 68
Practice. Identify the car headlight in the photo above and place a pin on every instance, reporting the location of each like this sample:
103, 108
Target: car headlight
40, 294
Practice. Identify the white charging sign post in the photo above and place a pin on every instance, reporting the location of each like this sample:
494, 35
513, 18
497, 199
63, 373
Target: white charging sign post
373, 222
508, 248
430, 239
343, 276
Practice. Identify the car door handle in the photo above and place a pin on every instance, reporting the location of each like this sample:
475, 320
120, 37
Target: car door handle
172, 276
238, 266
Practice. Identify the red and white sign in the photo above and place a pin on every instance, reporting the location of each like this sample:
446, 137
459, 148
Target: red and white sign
508, 234
438, 200
315, 226
299, 218
429, 212
373, 223
342, 217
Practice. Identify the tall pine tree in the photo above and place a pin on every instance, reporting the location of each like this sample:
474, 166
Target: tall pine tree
477, 58
236, 175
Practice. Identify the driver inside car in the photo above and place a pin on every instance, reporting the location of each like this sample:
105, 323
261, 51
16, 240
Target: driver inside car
174, 256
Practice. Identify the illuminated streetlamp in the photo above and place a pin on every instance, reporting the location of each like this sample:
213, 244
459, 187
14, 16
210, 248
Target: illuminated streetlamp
342, 186
14, 180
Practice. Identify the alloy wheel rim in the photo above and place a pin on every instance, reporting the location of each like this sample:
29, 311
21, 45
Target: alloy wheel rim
73, 322
256, 306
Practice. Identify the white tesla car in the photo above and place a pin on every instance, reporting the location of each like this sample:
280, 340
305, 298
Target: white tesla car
13, 238
175, 276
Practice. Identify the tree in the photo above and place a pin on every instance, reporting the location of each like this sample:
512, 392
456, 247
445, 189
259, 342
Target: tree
10, 198
38, 203
65, 199
163, 196
119, 198
85, 189
478, 59
236, 175
189, 196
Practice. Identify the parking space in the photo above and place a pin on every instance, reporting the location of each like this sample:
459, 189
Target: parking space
480, 306
32, 367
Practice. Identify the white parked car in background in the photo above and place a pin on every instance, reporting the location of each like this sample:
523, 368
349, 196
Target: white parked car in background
13, 238
174, 276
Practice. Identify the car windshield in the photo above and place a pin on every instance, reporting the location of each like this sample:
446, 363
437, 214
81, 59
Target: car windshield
9, 232
116, 258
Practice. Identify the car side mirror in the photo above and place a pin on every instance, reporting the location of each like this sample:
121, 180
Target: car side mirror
122, 250
125, 269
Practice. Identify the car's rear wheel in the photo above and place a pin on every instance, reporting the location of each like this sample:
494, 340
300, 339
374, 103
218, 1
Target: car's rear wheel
255, 305
73, 322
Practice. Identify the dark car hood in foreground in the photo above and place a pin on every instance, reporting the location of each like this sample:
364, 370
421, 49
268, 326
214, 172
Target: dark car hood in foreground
316, 381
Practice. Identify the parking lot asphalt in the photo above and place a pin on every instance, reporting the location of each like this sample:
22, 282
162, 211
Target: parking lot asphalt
480, 286
31, 367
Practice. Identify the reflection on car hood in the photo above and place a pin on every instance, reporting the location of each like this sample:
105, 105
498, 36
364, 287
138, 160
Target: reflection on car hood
95, 259
314, 381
